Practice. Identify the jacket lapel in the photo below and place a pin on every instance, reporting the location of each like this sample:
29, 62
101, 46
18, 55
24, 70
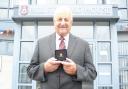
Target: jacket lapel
71, 45
52, 44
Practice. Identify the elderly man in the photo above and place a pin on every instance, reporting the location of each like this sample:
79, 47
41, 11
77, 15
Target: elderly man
62, 74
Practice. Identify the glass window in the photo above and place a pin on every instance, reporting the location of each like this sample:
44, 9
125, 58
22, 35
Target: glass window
122, 36
104, 52
16, 2
26, 51
3, 48
11, 3
122, 3
38, 85
24, 87
66, 1
29, 2
122, 26
3, 13
123, 86
106, 87
28, 29
83, 29
23, 2
122, 14
6, 33
123, 62
123, 78
123, 48
101, 1
4, 3
87, 1
11, 13
104, 74
7, 30
51, 2
45, 28
111, 1
23, 77
6, 47
102, 31
10, 48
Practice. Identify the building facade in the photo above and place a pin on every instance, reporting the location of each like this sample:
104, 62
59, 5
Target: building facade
103, 23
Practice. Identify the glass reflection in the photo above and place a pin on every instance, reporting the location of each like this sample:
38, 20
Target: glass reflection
3, 13
83, 29
104, 74
87, 1
43, 26
46, 2
6, 47
4, 3
24, 87
105, 87
122, 3
123, 78
123, 14
26, 51
28, 29
123, 64
66, 1
104, 52
123, 48
111, 1
102, 31
23, 77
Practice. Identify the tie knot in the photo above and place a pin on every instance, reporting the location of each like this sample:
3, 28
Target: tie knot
61, 38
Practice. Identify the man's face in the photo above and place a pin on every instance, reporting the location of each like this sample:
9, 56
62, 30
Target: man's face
63, 22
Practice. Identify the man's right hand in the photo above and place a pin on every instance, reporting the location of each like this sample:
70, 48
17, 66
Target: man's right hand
51, 65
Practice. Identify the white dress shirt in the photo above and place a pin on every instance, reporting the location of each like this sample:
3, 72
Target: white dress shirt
58, 41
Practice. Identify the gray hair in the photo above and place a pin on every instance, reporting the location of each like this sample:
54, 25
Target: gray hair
60, 9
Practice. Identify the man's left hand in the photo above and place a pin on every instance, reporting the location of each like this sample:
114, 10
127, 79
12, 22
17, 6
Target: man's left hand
69, 66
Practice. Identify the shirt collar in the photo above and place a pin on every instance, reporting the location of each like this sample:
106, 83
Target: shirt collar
65, 37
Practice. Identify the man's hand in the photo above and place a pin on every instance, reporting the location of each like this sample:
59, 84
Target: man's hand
69, 66
51, 65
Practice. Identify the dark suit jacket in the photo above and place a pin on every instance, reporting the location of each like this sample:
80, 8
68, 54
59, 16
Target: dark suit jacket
78, 50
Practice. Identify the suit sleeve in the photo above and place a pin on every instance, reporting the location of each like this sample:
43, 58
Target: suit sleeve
35, 69
86, 72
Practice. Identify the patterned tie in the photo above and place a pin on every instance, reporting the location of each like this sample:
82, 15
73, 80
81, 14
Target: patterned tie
62, 43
